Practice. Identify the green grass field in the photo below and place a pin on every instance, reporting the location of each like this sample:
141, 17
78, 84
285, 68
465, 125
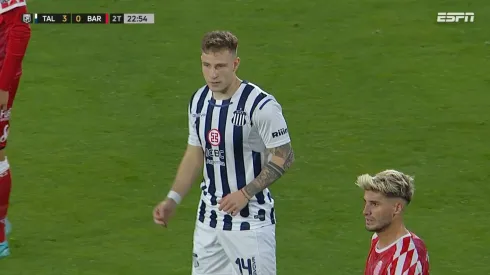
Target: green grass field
99, 127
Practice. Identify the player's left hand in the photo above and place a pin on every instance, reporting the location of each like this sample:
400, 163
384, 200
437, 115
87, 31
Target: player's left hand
233, 203
4, 100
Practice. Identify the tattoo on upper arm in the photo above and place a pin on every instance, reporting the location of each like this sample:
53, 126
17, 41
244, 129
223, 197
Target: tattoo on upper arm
286, 153
271, 172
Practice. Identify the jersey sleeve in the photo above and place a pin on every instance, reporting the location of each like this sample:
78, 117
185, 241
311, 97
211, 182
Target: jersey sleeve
271, 124
193, 138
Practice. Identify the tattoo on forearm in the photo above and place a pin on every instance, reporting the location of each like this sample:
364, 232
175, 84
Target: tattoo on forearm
272, 171
276, 168
269, 175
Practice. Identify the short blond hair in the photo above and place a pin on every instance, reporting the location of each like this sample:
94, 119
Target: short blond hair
216, 41
391, 183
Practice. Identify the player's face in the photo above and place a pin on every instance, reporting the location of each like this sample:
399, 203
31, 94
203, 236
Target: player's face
379, 211
219, 69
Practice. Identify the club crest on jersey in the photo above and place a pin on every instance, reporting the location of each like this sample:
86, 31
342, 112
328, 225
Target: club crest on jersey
239, 117
214, 137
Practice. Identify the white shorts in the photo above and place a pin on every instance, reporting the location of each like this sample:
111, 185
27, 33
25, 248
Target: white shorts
248, 252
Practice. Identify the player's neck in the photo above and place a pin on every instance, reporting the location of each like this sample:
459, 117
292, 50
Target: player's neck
229, 92
391, 234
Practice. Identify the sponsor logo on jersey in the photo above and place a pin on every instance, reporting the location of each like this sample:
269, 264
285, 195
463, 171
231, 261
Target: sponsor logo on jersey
280, 132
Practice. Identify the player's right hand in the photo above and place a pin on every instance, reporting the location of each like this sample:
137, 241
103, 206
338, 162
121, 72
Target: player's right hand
163, 211
4, 100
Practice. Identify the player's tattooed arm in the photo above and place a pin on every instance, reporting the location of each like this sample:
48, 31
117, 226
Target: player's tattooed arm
282, 158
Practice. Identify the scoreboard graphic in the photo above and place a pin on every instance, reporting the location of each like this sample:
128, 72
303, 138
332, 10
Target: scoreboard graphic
89, 18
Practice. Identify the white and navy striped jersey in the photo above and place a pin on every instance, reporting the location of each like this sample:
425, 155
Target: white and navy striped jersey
234, 135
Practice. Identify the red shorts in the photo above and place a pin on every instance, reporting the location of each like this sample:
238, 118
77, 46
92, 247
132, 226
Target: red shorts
14, 37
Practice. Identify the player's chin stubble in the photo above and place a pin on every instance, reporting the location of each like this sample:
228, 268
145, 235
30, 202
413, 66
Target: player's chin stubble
224, 90
378, 228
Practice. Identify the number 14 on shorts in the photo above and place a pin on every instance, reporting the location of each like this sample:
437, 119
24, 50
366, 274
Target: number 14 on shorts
246, 266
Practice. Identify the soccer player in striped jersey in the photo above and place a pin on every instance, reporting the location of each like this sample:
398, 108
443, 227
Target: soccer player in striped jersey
239, 137
394, 249
14, 37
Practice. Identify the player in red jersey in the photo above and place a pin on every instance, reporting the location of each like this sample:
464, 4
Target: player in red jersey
394, 249
14, 38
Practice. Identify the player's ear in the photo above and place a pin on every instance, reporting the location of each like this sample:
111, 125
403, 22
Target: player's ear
398, 208
236, 63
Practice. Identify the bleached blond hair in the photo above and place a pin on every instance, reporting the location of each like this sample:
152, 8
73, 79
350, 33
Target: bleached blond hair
391, 183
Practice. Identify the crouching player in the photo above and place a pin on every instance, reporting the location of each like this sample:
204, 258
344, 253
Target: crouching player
14, 38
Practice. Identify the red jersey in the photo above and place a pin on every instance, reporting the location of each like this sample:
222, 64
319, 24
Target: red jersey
406, 256
14, 38
6, 5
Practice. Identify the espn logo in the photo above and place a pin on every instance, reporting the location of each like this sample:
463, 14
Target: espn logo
279, 132
455, 17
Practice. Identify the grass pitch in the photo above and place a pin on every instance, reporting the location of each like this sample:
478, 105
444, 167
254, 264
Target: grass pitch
99, 126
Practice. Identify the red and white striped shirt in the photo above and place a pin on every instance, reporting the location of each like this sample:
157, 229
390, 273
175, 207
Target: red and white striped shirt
406, 256
6, 5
